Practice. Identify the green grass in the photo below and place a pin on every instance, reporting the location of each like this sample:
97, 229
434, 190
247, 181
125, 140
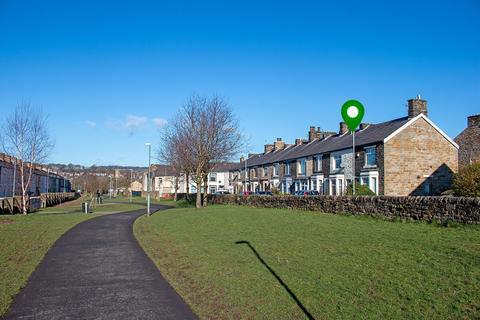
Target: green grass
339, 267
24, 240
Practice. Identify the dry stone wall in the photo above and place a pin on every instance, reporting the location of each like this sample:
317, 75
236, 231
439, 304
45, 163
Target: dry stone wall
462, 210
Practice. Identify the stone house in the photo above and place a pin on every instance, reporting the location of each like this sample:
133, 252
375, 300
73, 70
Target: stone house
164, 177
405, 156
43, 179
469, 142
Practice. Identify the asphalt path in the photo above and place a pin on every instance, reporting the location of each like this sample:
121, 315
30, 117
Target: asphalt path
97, 270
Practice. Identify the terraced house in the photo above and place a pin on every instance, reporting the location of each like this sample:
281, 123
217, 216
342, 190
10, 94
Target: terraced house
405, 156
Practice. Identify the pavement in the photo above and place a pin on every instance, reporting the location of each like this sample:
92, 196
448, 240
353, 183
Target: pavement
97, 270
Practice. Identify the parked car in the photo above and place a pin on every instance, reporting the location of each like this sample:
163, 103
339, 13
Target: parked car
304, 193
220, 192
263, 193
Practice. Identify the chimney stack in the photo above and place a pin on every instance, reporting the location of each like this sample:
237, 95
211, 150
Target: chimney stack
298, 141
343, 128
311, 134
473, 121
279, 144
417, 106
268, 148
242, 159
364, 125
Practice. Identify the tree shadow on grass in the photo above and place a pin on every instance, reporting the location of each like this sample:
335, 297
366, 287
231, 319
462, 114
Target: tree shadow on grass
284, 285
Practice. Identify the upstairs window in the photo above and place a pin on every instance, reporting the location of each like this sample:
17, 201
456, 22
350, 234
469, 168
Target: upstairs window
370, 156
265, 171
213, 177
302, 166
287, 168
276, 169
337, 161
318, 163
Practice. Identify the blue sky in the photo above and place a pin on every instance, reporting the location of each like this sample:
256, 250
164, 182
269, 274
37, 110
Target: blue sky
110, 74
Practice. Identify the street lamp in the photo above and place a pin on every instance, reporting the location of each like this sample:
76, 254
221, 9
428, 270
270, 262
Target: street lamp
149, 145
131, 180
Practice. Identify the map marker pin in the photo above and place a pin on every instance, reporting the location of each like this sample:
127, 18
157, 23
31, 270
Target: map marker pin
352, 113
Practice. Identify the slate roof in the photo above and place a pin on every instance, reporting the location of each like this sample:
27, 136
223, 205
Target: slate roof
226, 166
374, 133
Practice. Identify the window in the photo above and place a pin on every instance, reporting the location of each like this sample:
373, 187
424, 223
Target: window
213, 177
318, 163
337, 161
314, 185
304, 185
265, 171
287, 168
340, 186
365, 182
371, 156
276, 169
302, 167
212, 189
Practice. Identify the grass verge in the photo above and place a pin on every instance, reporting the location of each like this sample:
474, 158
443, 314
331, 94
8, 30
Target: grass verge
25, 240
335, 266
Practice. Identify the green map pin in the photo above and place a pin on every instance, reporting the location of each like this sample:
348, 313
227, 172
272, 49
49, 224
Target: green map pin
352, 113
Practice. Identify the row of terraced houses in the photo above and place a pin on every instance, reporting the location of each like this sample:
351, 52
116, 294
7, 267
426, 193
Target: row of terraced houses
405, 156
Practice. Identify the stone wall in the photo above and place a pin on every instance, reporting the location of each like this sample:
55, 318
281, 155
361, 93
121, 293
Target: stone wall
463, 210
469, 142
419, 161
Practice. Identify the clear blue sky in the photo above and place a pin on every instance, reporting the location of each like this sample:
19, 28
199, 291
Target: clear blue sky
109, 73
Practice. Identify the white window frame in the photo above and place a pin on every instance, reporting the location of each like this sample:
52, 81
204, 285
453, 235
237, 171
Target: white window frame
287, 168
300, 166
371, 176
366, 156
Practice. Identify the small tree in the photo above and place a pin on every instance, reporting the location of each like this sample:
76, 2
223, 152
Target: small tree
203, 133
466, 182
25, 136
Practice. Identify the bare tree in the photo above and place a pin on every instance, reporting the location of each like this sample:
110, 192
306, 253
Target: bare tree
203, 133
25, 136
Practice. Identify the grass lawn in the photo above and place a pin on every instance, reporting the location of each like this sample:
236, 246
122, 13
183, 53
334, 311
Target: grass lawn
24, 240
337, 266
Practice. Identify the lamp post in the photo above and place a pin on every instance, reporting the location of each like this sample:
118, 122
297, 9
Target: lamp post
245, 188
131, 180
149, 145
110, 187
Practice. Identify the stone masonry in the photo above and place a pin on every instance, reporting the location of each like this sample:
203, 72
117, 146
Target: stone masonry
410, 167
469, 142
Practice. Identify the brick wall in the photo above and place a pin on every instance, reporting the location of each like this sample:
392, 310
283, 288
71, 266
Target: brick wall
463, 210
418, 156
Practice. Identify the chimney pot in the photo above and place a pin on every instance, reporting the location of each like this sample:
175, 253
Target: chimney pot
279, 139
473, 121
417, 106
343, 128
298, 141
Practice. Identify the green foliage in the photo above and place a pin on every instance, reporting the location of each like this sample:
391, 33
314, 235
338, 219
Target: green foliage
467, 181
360, 190
339, 267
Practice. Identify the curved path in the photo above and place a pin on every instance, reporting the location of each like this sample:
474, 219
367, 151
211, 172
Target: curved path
97, 270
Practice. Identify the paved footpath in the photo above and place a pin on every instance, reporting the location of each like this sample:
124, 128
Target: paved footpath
97, 270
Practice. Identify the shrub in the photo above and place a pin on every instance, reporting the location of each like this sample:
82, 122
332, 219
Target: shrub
360, 190
467, 181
